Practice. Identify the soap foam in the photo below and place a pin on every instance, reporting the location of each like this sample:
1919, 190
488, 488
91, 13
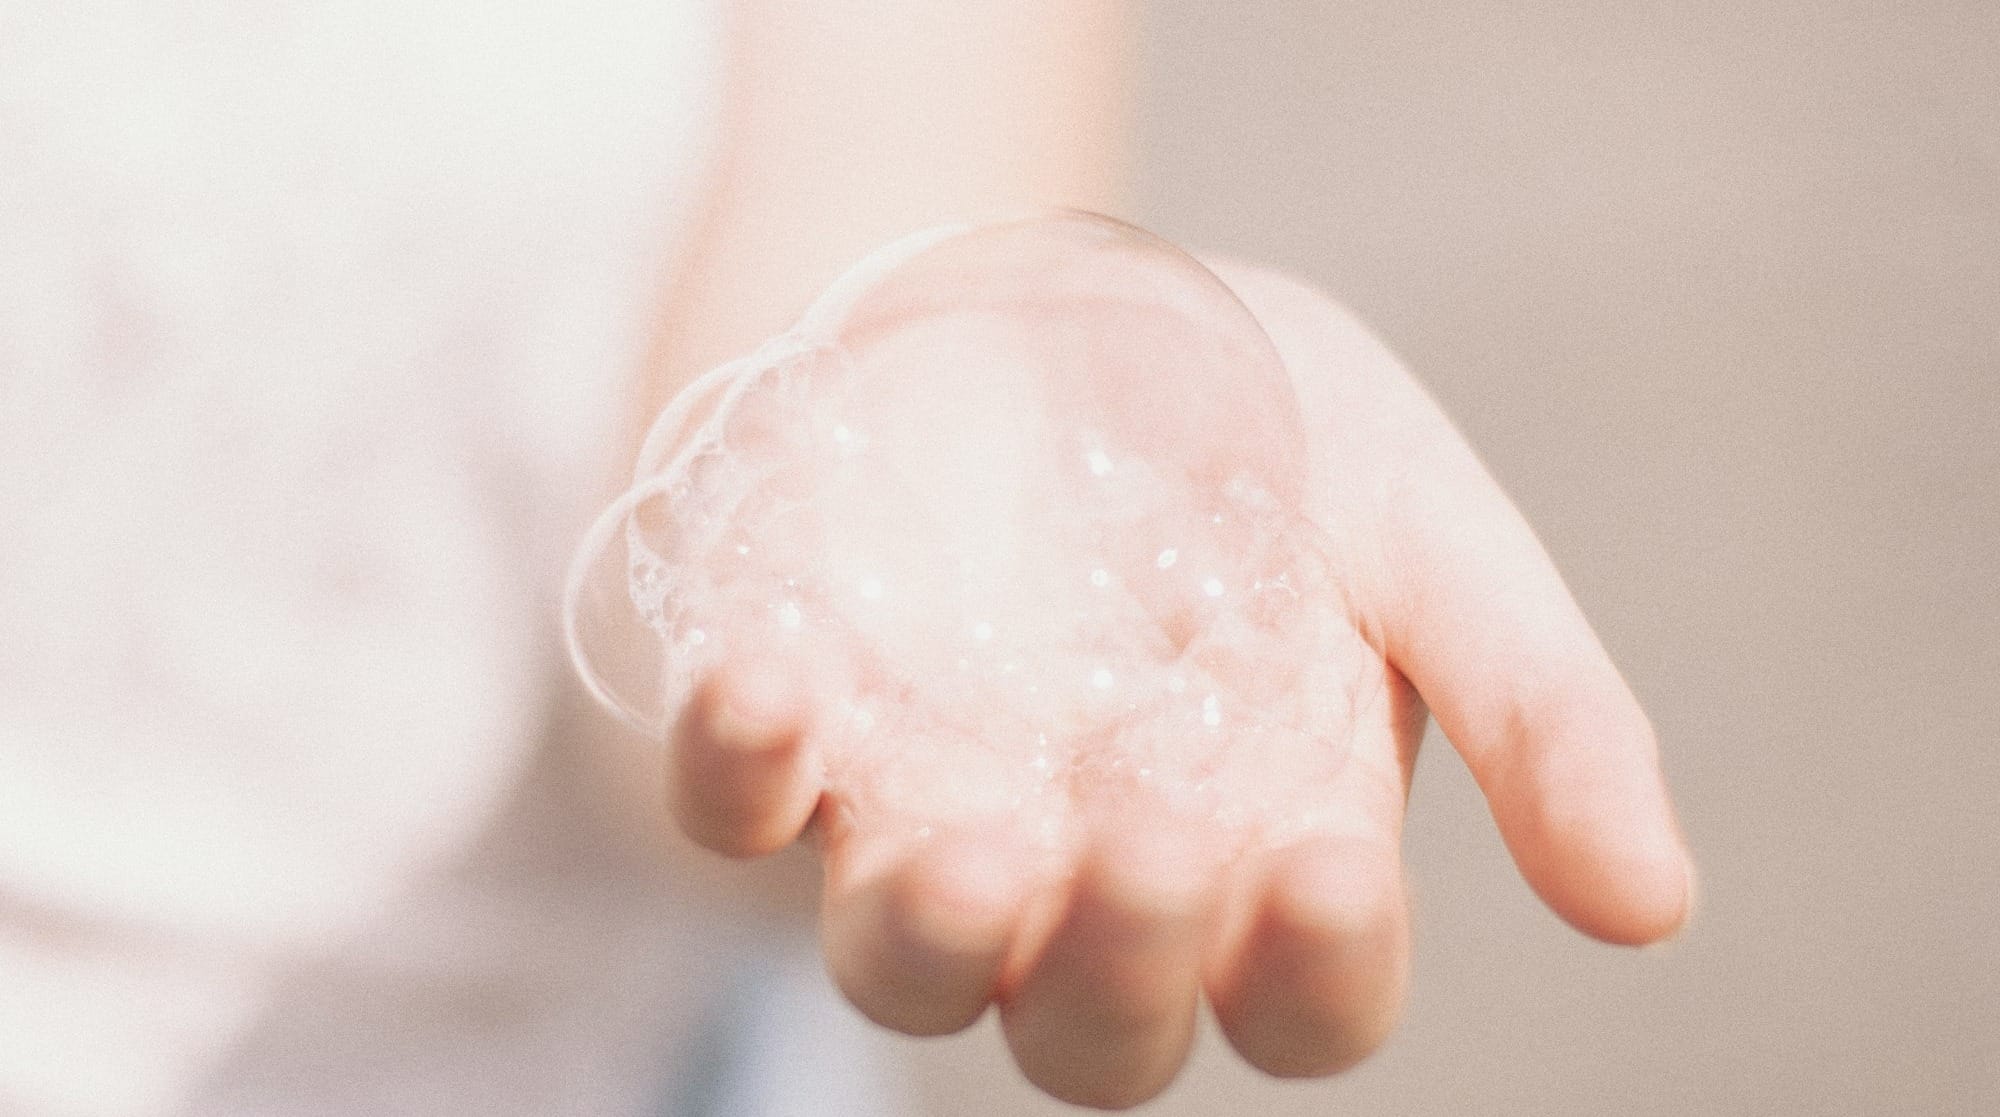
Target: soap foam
1029, 495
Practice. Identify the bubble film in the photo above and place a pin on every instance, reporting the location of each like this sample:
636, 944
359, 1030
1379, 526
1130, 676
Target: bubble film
1023, 499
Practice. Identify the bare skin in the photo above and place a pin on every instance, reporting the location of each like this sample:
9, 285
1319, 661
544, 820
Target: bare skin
1098, 970
1303, 951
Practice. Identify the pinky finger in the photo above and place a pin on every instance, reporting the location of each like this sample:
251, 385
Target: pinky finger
741, 776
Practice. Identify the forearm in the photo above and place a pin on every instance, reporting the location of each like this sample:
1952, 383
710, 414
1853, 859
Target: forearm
849, 123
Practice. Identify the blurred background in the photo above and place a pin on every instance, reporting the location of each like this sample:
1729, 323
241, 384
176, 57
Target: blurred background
1715, 289
1713, 285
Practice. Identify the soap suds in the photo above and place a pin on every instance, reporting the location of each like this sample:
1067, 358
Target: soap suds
1031, 497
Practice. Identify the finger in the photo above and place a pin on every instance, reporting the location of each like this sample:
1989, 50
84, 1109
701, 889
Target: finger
1466, 603
1480, 621
916, 938
1106, 1015
741, 779
1318, 979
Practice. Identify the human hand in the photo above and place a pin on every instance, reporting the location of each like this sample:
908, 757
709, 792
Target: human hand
1098, 953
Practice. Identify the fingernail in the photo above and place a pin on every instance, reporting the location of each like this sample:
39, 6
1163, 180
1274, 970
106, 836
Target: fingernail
1690, 892
1693, 897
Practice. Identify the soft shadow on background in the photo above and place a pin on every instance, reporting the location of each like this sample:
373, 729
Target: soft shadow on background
1715, 289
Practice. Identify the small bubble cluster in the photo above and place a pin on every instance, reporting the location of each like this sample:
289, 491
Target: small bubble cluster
1027, 496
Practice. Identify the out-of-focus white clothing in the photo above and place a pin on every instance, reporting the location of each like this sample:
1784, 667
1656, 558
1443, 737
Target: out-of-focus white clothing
316, 321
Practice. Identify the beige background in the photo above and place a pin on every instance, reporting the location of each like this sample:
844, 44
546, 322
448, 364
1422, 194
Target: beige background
1715, 288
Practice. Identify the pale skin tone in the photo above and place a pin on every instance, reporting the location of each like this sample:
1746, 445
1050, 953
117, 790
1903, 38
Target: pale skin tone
1097, 970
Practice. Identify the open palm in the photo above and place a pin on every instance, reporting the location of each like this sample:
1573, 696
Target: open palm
1098, 958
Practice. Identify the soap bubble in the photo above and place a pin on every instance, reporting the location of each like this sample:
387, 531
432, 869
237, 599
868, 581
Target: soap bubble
1029, 493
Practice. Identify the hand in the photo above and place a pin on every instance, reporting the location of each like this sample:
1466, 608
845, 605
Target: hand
1098, 964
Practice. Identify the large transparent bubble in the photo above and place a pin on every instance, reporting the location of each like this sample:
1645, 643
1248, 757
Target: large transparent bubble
1025, 496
